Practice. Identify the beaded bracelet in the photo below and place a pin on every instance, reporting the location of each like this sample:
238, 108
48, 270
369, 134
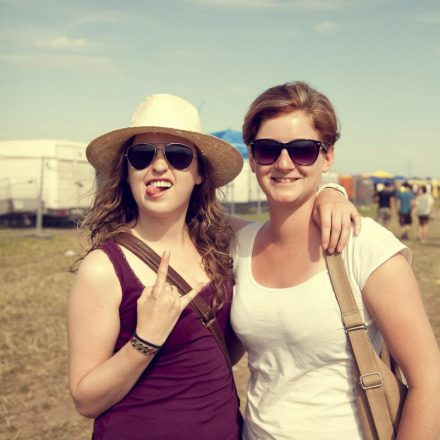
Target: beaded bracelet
143, 346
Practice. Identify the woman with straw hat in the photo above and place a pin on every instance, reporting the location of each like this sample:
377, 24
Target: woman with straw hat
140, 361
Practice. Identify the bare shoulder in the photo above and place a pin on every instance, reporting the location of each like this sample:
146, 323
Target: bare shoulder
97, 278
237, 223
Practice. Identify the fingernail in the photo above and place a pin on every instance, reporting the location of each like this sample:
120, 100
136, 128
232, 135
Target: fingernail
325, 245
331, 250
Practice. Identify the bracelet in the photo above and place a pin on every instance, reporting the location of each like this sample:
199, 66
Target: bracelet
143, 346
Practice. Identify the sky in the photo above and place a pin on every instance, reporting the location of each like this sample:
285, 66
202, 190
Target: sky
76, 69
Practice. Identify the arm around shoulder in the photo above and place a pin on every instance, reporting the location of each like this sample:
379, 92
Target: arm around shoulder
334, 213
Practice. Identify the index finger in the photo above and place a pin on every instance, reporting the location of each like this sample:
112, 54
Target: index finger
162, 272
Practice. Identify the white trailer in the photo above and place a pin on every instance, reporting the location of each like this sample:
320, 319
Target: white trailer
55, 172
243, 194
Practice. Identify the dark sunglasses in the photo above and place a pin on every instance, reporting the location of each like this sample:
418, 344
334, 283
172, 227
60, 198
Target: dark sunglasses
179, 156
301, 151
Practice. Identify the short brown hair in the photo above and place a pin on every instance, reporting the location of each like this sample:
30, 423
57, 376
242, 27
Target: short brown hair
287, 98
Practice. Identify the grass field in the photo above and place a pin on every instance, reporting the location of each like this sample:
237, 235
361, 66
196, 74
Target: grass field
34, 286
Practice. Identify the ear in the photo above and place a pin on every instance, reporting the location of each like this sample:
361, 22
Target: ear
198, 179
251, 159
328, 159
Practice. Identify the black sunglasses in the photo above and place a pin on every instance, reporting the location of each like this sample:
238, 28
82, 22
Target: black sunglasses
301, 151
179, 156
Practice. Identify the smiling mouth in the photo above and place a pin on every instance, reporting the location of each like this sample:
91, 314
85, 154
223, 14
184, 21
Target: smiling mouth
285, 179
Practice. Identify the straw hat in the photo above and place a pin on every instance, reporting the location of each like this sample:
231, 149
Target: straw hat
162, 113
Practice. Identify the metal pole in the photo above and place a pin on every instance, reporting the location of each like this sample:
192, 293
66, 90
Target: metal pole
39, 219
258, 201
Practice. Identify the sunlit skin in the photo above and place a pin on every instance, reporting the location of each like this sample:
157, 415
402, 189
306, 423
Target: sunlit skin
284, 181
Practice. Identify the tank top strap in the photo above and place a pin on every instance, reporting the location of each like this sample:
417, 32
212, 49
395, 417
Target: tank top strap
124, 272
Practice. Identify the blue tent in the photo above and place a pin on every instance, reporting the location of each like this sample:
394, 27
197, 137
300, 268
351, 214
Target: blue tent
235, 138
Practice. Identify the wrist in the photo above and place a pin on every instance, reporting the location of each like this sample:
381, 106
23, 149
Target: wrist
334, 186
143, 346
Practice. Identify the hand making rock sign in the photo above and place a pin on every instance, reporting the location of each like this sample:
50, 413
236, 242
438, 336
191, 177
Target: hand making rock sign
159, 306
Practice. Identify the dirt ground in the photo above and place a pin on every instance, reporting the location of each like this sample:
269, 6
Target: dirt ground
34, 286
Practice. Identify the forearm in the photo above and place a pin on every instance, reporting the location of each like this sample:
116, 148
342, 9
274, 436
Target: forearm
109, 382
420, 419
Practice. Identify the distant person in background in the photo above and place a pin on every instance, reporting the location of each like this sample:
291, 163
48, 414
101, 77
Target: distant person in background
405, 203
424, 208
385, 198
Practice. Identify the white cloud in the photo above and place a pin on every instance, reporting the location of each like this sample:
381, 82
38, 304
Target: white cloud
327, 27
57, 60
63, 43
428, 17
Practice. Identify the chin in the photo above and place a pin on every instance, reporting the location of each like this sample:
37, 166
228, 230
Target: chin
293, 198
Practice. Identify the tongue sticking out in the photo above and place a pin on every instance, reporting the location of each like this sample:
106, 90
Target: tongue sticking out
153, 190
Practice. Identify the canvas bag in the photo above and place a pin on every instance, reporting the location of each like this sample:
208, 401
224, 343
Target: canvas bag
380, 391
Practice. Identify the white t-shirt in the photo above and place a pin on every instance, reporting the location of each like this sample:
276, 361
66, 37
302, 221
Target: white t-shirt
424, 204
301, 384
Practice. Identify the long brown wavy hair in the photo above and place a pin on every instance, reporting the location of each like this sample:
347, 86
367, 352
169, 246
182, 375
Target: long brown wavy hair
114, 208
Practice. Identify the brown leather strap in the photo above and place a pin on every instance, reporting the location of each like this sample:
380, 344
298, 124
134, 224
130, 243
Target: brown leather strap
363, 351
152, 259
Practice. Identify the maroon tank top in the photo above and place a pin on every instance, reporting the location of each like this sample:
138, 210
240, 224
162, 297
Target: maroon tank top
187, 391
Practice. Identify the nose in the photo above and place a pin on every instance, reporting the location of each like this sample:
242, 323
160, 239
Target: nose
160, 163
284, 161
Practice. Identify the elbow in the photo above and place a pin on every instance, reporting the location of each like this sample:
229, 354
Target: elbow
85, 406
86, 411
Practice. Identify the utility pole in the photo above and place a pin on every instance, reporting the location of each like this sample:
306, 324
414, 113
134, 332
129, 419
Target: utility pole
39, 219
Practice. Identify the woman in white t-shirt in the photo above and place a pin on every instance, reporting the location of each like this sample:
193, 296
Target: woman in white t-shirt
284, 309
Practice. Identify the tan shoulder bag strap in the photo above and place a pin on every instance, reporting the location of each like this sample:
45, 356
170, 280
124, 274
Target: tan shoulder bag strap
370, 378
152, 260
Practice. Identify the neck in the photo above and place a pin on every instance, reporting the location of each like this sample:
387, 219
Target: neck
292, 226
168, 232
